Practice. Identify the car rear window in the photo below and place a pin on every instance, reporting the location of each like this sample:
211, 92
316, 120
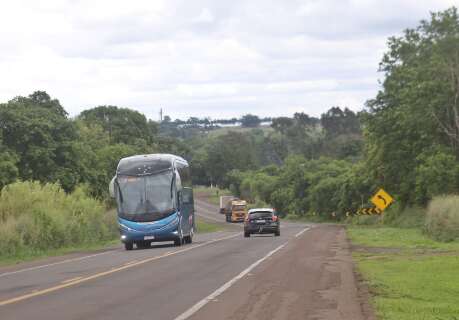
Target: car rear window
261, 214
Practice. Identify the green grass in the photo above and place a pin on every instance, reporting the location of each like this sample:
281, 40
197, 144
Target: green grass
389, 237
412, 286
206, 227
212, 195
30, 255
411, 283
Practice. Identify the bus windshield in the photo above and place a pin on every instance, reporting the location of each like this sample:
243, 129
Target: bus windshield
145, 198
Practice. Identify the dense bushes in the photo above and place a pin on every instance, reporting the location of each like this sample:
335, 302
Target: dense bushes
324, 186
35, 217
442, 220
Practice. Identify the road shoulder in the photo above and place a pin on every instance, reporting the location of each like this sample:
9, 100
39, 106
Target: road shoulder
311, 278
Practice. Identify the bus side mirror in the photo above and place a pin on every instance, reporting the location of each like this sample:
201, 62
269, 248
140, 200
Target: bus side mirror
111, 188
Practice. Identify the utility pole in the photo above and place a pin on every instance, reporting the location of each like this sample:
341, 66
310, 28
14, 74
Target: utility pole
161, 115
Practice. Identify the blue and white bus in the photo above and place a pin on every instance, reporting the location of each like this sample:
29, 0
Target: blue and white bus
154, 198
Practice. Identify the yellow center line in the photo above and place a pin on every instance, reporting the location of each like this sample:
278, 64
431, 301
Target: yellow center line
72, 282
131, 262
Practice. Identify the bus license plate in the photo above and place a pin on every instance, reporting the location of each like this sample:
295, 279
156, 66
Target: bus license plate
149, 238
261, 221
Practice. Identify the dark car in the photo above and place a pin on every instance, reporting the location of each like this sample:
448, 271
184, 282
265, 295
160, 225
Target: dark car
261, 220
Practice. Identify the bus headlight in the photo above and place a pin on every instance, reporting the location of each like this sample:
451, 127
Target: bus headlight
124, 227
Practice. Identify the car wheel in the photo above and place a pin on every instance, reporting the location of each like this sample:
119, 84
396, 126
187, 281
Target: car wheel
247, 234
128, 245
277, 233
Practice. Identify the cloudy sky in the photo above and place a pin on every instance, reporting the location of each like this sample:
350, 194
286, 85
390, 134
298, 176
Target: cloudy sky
201, 57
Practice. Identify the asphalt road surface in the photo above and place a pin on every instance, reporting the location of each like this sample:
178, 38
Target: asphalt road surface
306, 273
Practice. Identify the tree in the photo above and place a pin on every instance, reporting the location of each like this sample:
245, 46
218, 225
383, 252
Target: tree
282, 124
39, 136
337, 122
8, 166
123, 125
228, 152
417, 107
250, 121
43, 100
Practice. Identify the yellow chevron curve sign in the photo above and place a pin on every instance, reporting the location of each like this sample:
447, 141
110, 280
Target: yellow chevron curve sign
382, 199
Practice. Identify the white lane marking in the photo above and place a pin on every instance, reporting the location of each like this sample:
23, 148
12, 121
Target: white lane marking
301, 232
53, 264
212, 297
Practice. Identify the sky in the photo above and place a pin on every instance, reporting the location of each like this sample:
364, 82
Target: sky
202, 58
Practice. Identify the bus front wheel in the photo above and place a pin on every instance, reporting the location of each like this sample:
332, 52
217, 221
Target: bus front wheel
128, 245
178, 242
189, 238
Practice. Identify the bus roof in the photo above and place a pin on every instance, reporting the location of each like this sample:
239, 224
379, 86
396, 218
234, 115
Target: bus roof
146, 164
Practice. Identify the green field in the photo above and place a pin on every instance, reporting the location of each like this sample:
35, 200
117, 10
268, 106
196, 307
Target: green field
410, 276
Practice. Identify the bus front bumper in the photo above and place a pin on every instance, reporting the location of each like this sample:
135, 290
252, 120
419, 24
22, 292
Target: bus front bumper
166, 233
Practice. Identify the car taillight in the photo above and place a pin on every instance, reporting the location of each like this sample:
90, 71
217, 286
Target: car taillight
274, 218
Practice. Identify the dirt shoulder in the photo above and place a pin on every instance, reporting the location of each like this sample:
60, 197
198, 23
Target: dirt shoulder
311, 278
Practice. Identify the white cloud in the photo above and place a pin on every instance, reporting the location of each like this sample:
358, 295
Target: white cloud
201, 58
205, 16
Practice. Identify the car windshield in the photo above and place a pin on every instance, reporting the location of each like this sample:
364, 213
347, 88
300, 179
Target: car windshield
146, 198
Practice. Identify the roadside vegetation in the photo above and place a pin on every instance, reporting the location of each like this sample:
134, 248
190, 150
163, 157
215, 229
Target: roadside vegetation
408, 259
38, 218
210, 194
409, 275
203, 226
405, 140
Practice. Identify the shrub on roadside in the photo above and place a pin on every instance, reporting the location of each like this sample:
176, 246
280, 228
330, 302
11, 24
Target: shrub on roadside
365, 220
410, 217
442, 219
36, 218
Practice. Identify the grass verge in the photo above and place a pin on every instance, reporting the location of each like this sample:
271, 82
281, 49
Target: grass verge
206, 227
410, 275
29, 255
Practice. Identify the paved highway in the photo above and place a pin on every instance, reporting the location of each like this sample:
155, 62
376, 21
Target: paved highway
306, 273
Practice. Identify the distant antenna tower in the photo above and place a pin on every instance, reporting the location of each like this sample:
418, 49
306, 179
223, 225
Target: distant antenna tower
161, 115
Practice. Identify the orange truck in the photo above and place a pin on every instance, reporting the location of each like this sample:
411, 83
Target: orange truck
236, 211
